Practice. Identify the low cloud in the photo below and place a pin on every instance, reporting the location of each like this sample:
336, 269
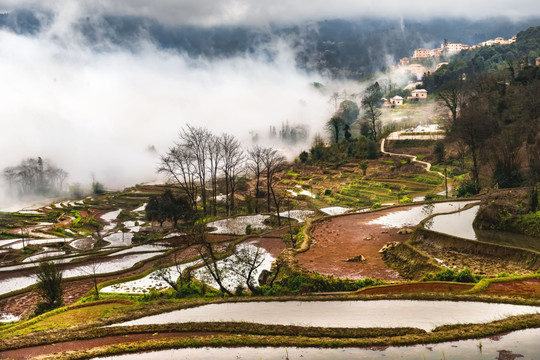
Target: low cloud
100, 112
264, 12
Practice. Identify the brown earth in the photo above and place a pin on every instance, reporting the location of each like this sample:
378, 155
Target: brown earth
273, 245
525, 288
337, 239
27, 353
417, 288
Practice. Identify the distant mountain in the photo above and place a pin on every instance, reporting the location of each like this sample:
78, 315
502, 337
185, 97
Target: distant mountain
342, 48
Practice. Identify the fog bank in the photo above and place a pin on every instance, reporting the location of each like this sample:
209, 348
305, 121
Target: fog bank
100, 112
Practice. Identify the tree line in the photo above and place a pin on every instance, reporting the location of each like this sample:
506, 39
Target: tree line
202, 163
35, 177
495, 117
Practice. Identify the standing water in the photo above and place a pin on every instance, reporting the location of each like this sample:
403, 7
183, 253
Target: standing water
425, 315
521, 344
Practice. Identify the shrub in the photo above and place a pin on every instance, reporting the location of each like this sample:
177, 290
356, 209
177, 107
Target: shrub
376, 205
239, 290
189, 290
303, 283
465, 276
468, 189
371, 150
97, 188
304, 156
405, 200
445, 275
49, 286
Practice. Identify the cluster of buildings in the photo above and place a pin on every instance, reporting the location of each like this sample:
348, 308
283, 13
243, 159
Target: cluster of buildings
448, 48
416, 95
451, 48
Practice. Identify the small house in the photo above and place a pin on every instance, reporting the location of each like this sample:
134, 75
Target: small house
396, 101
418, 94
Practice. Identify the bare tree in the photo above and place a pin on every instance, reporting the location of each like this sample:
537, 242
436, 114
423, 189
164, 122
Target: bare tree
209, 256
179, 165
273, 161
35, 176
164, 274
255, 165
247, 259
473, 127
197, 139
370, 103
233, 160
453, 98
215, 155
93, 269
334, 98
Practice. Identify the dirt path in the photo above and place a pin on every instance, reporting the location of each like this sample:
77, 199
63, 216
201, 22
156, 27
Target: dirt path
413, 159
337, 239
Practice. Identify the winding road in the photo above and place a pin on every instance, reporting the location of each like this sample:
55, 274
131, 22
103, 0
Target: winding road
412, 157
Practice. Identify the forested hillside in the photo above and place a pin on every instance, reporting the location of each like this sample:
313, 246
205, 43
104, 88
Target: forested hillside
472, 63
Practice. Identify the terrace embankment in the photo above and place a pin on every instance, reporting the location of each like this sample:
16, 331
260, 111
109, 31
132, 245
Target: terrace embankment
408, 261
480, 257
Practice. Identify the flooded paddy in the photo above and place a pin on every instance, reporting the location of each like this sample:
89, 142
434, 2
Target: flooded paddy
43, 256
298, 215
334, 210
119, 239
237, 225
337, 240
150, 282
142, 248
18, 243
413, 215
521, 344
5, 318
234, 271
425, 315
102, 266
460, 224
86, 243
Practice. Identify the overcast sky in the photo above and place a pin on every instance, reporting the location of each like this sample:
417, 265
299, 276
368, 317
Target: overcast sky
262, 12
97, 113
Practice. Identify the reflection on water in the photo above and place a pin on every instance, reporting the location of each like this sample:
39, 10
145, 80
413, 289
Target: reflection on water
413, 215
458, 224
104, 266
521, 344
381, 313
